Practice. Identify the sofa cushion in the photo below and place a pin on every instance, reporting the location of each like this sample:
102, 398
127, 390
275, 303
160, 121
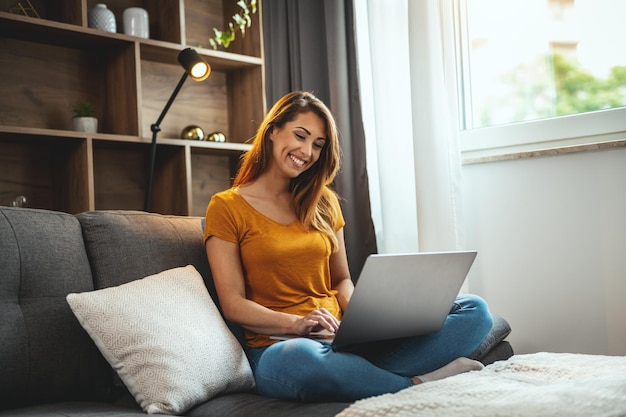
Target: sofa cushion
166, 340
75, 409
252, 405
126, 245
44, 354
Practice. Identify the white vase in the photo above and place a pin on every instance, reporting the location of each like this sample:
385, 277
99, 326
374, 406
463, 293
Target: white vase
85, 124
102, 18
136, 22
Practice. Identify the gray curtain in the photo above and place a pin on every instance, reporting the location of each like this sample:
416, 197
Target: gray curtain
309, 45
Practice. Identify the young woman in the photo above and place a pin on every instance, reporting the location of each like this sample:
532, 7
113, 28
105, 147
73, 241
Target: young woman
276, 248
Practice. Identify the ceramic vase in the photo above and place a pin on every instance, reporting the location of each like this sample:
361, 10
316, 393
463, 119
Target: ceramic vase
136, 23
102, 18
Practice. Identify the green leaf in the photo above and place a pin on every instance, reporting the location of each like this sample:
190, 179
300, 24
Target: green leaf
241, 19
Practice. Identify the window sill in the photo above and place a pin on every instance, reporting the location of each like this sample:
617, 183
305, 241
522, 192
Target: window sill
559, 150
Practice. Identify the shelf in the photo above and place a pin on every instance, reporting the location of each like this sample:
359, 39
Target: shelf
52, 169
47, 65
56, 33
51, 134
67, 35
222, 61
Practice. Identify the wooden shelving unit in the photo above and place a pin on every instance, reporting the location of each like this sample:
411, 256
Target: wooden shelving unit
48, 64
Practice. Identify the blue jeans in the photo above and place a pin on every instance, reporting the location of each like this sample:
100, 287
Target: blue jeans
307, 370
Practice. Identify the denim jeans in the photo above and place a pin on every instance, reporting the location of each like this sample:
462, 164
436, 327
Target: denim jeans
308, 370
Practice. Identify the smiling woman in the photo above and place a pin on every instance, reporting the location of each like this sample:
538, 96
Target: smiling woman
300, 140
309, 189
275, 244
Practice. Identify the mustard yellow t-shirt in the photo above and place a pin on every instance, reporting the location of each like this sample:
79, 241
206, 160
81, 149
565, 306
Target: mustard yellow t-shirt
286, 268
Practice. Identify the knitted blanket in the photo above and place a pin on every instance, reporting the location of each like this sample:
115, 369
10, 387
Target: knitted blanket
534, 385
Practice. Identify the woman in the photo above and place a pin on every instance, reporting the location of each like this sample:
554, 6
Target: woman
276, 248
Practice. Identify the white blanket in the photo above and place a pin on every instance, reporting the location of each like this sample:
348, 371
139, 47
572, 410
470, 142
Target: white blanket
535, 385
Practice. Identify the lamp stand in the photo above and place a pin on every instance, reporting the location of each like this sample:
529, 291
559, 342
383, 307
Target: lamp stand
156, 128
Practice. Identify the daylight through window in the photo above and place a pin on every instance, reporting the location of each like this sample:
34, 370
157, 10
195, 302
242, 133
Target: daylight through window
536, 59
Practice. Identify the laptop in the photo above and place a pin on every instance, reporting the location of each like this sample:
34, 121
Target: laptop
399, 295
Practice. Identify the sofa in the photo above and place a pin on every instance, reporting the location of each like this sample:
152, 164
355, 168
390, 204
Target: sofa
53, 363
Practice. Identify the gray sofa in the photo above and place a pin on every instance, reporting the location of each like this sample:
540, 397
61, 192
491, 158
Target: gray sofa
49, 365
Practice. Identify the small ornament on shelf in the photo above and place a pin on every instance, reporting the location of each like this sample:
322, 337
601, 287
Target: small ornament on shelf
192, 132
136, 22
84, 119
24, 8
19, 201
102, 18
216, 137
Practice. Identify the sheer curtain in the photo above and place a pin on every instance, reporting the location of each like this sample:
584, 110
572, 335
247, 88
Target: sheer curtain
411, 131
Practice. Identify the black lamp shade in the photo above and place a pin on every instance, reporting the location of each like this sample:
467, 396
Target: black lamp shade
193, 63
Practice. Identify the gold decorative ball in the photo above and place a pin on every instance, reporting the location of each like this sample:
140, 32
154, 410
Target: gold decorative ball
217, 137
192, 132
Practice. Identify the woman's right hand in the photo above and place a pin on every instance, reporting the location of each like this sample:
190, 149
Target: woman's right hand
316, 321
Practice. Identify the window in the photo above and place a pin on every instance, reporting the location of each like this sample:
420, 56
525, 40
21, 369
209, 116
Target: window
549, 69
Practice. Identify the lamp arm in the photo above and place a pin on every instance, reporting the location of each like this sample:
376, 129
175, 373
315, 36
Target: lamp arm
156, 128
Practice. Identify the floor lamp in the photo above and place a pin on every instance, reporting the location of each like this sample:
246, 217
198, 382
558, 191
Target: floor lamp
199, 70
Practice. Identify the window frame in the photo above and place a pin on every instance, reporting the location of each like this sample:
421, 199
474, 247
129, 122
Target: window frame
589, 128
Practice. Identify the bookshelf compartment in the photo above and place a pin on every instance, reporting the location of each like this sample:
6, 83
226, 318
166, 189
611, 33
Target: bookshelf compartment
211, 172
52, 173
170, 194
198, 103
201, 16
119, 175
164, 16
65, 11
246, 103
46, 81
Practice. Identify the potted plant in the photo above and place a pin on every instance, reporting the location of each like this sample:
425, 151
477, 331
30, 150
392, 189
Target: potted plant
84, 119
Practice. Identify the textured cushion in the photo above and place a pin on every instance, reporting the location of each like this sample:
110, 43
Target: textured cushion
44, 354
166, 340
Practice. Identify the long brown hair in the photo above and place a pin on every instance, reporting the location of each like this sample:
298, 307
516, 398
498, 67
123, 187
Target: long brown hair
313, 199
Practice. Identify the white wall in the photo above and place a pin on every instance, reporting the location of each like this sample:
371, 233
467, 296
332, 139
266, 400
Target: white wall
551, 238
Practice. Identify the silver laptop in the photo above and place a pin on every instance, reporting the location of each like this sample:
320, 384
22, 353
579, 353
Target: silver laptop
400, 295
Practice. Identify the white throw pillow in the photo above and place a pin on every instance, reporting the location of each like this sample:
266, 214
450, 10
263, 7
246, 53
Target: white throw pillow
166, 339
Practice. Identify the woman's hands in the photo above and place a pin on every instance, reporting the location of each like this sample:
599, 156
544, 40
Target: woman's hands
316, 321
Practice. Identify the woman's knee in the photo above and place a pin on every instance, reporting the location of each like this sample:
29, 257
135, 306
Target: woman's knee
287, 369
477, 308
294, 351
472, 302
